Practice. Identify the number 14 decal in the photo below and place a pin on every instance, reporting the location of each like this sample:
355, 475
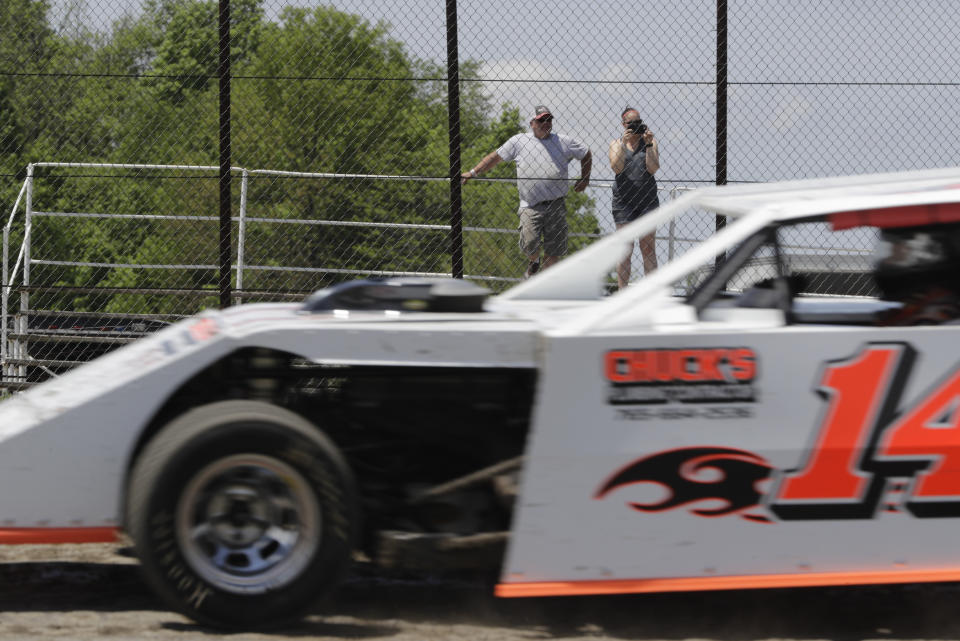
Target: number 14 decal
866, 448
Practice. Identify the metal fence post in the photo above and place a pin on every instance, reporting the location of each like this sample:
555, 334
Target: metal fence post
672, 232
241, 234
721, 168
25, 295
453, 126
223, 72
5, 294
6, 297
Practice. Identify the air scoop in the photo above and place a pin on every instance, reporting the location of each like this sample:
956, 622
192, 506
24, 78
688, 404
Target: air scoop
410, 294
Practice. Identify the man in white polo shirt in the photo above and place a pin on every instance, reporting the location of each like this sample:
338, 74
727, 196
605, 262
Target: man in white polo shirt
542, 158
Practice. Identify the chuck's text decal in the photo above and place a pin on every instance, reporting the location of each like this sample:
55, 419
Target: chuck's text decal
660, 376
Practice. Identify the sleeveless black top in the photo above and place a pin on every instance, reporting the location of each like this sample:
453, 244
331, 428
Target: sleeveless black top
634, 188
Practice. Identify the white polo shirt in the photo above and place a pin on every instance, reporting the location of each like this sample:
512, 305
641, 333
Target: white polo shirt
542, 165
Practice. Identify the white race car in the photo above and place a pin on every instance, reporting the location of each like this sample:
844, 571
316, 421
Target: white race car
708, 427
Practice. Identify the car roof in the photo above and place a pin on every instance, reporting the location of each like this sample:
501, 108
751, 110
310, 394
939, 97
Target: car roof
882, 200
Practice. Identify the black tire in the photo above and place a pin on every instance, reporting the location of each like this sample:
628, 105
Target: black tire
243, 514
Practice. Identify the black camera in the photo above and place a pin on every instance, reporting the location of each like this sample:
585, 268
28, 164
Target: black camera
636, 127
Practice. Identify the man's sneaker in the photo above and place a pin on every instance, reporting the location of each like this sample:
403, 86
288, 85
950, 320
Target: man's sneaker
532, 269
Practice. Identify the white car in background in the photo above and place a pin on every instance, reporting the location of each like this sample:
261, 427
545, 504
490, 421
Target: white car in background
708, 427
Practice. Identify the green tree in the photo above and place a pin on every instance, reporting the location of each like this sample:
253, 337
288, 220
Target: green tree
316, 90
186, 36
25, 50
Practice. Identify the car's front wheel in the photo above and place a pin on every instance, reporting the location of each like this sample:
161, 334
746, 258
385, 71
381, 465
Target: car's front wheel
242, 514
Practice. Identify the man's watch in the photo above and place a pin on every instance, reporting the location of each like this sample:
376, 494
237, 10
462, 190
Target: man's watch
473, 173
649, 144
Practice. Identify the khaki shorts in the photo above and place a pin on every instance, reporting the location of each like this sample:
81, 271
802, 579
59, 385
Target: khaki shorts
546, 220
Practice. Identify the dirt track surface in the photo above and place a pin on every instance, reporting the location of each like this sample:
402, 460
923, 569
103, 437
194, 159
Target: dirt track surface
94, 592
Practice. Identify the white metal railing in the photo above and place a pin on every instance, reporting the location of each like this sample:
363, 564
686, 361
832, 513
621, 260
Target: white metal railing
7, 280
16, 350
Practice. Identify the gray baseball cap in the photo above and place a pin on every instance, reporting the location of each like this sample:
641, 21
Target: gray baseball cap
541, 111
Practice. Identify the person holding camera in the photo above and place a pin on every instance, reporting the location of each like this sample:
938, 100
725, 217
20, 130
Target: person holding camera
634, 159
542, 158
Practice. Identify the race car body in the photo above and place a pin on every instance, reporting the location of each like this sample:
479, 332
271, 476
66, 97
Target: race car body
77, 430
707, 427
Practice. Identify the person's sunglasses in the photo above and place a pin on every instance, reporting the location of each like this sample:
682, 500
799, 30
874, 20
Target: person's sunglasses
547, 119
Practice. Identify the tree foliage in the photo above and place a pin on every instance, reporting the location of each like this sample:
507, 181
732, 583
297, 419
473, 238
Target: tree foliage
313, 90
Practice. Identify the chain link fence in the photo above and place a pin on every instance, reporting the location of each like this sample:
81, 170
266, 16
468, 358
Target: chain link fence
339, 130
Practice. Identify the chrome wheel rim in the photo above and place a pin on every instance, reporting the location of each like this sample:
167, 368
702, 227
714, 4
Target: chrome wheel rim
248, 523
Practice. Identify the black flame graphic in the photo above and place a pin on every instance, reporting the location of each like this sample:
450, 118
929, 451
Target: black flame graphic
677, 470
